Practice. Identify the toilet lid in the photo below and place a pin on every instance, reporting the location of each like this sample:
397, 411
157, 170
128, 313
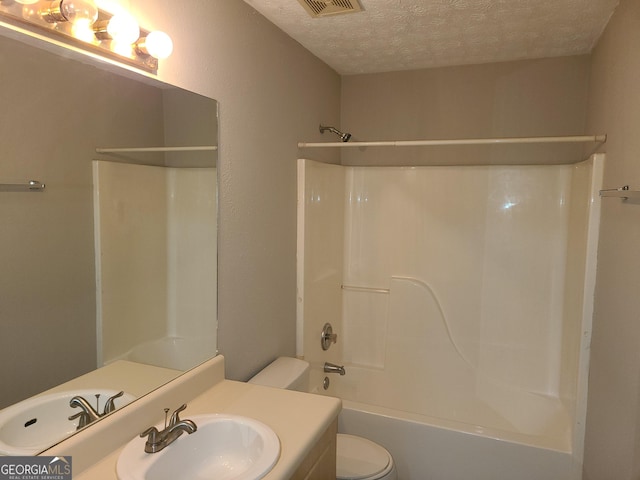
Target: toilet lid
359, 458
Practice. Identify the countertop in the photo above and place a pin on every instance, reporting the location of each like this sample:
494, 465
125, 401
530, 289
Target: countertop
299, 420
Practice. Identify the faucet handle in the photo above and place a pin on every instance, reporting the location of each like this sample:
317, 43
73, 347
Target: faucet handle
151, 434
83, 421
154, 441
175, 416
110, 405
328, 337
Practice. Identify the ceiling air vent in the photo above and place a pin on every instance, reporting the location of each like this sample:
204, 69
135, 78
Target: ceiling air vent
324, 8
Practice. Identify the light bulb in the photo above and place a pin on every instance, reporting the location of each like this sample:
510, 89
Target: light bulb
82, 30
84, 11
123, 28
158, 44
122, 49
74, 11
31, 13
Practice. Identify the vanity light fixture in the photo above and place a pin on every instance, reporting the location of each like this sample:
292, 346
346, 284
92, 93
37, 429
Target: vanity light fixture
82, 24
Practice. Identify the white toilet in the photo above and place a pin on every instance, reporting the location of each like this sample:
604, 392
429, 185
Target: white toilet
357, 457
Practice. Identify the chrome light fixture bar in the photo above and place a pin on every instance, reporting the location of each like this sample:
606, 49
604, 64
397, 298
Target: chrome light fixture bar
81, 24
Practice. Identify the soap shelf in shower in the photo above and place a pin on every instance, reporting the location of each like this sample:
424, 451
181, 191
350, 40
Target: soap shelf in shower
29, 186
623, 192
355, 288
202, 148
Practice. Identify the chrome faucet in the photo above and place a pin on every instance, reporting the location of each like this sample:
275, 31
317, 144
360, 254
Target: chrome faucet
157, 440
331, 368
88, 414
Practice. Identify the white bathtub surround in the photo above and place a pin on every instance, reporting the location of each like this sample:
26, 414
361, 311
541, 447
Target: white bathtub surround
472, 307
156, 235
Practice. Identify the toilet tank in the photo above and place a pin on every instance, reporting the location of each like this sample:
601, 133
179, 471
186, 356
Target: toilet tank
284, 372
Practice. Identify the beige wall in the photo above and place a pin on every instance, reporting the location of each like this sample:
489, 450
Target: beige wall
272, 93
612, 449
509, 99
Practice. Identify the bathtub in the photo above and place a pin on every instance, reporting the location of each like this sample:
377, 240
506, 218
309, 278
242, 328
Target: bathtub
428, 448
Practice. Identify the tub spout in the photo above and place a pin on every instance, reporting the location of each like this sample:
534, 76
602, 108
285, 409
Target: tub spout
331, 368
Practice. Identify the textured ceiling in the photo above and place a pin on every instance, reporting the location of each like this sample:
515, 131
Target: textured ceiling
391, 35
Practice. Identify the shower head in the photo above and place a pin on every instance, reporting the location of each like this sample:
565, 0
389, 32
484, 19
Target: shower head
343, 136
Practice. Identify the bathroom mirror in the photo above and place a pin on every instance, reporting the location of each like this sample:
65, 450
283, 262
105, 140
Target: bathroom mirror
114, 260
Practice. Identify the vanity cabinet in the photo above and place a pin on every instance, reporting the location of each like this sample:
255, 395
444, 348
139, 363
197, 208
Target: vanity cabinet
320, 463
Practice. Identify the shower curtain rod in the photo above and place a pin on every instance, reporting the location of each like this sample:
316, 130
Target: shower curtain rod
463, 141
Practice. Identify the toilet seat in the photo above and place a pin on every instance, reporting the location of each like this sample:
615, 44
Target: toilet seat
361, 459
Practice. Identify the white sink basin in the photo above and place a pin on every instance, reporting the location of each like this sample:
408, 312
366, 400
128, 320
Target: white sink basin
30, 426
225, 447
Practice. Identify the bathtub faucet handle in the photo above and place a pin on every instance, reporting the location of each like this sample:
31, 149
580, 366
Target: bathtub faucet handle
328, 337
332, 368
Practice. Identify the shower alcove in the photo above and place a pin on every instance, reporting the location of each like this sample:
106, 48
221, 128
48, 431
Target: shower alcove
157, 263
462, 300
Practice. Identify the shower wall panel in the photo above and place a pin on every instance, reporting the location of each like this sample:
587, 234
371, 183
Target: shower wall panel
485, 248
320, 233
192, 253
464, 291
157, 262
131, 235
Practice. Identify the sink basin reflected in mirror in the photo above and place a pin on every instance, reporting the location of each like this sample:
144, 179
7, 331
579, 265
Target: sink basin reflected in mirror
224, 447
31, 426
